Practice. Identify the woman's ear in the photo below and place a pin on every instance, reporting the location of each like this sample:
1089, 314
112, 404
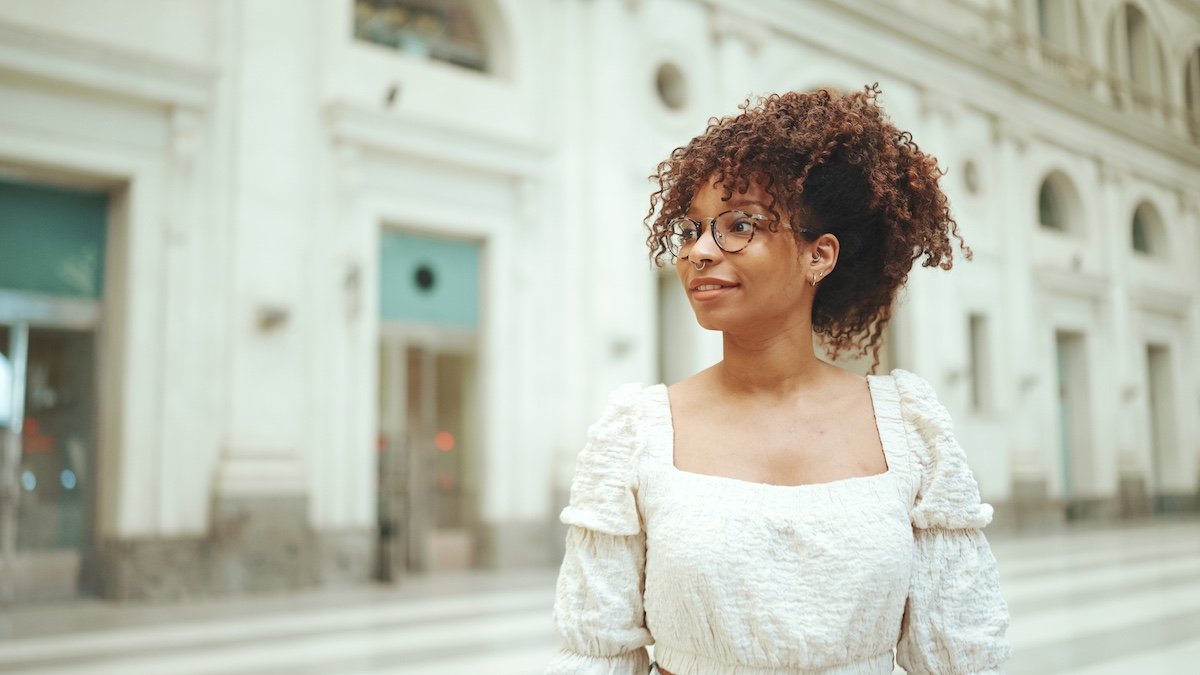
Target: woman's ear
823, 255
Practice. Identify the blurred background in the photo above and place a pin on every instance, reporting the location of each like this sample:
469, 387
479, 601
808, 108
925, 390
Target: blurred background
306, 307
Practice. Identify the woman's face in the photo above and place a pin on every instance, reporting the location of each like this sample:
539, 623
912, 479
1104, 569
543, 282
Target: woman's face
751, 290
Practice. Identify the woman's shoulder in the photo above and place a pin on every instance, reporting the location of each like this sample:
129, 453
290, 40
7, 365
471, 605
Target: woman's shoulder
948, 495
911, 398
602, 496
623, 414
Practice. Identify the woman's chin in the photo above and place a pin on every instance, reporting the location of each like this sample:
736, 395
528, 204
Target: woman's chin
711, 321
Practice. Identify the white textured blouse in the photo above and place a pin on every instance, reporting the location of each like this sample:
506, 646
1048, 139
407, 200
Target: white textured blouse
728, 577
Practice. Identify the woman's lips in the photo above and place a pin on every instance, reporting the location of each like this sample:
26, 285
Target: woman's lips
710, 289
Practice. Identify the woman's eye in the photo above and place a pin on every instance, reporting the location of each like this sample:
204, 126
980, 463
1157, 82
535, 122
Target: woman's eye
687, 233
742, 226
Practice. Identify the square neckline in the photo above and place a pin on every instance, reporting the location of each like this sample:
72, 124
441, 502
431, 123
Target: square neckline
888, 405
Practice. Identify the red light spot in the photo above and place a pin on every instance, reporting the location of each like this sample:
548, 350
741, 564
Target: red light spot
443, 441
381, 443
447, 481
31, 427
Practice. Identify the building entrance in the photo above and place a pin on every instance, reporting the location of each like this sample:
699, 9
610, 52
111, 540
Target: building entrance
429, 412
46, 508
51, 277
429, 487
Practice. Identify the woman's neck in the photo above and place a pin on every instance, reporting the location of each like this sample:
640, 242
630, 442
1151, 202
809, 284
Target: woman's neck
773, 363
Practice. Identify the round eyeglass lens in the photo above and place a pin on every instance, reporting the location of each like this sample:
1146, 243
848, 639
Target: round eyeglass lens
683, 235
734, 230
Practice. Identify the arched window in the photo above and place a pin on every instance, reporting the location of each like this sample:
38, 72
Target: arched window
1191, 93
1058, 204
1060, 24
1147, 234
443, 30
1049, 211
1135, 56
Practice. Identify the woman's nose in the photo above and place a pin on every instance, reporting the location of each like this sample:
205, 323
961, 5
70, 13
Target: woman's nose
705, 247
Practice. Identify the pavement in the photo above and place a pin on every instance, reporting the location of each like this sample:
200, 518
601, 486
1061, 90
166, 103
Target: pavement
1087, 600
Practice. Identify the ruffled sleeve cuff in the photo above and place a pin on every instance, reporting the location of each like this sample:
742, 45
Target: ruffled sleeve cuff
955, 619
948, 496
568, 662
602, 493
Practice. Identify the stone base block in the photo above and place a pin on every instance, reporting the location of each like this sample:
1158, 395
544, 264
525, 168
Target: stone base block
255, 545
344, 557
1177, 503
1132, 495
1030, 509
522, 544
262, 544
1094, 508
154, 569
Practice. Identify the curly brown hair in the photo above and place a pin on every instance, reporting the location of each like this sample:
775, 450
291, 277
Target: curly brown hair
835, 163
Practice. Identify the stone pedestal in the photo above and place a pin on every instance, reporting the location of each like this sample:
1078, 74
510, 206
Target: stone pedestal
154, 569
517, 544
1132, 495
261, 544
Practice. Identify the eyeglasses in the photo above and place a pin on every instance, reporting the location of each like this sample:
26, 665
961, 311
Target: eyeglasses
732, 230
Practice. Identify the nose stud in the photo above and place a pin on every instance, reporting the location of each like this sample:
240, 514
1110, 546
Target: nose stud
700, 266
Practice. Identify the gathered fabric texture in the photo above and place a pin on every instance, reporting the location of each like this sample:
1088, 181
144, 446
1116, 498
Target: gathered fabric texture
728, 577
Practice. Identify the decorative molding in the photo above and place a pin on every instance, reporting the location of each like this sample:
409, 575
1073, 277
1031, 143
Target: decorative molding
259, 472
185, 133
87, 65
1071, 283
1161, 300
725, 22
348, 167
1188, 202
384, 132
1005, 129
1110, 172
937, 104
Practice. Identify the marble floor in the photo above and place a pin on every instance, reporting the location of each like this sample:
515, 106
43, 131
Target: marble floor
1086, 601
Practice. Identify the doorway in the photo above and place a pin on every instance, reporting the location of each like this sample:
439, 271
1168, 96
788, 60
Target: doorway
429, 414
46, 533
1162, 423
429, 455
1073, 426
52, 249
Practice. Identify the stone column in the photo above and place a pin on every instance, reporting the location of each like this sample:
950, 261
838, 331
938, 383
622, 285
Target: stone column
261, 537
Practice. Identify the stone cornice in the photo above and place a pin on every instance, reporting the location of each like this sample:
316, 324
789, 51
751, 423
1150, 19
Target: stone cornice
965, 54
1161, 300
104, 68
381, 131
1071, 283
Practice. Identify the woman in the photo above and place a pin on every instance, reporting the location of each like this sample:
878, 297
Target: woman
774, 513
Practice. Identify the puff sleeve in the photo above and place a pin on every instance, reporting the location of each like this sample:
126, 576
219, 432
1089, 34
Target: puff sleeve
598, 605
955, 619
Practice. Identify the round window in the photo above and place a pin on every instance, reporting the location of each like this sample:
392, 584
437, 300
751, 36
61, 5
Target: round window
672, 89
424, 278
971, 177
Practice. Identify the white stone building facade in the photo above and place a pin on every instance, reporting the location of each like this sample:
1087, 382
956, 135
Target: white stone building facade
364, 272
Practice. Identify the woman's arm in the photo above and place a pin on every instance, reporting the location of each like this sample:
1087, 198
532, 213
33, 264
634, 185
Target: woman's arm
955, 618
598, 608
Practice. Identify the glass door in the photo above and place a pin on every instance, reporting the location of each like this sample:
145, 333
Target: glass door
428, 461
49, 439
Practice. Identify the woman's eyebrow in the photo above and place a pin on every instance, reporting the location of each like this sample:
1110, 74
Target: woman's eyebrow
748, 202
